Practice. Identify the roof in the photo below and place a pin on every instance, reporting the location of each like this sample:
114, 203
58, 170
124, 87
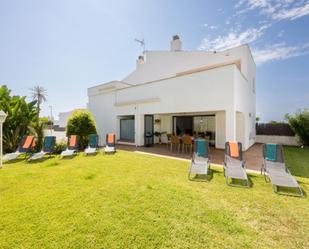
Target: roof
163, 64
112, 86
160, 65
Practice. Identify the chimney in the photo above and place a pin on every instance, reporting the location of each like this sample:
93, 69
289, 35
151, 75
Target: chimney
176, 43
140, 61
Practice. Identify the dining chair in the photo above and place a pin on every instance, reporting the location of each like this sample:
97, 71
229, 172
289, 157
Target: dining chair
175, 143
168, 143
187, 144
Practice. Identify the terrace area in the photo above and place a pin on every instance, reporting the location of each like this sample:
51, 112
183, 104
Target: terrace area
253, 156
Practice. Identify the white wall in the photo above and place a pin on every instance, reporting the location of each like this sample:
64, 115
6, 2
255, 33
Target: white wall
207, 91
164, 64
64, 116
245, 101
60, 135
104, 112
285, 140
198, 92
220, 130
240, 128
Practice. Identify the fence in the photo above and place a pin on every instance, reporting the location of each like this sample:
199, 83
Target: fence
281, 129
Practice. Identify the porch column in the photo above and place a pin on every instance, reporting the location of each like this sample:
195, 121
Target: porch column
230, 125
139, 129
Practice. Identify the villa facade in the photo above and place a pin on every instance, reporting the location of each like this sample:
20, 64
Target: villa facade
181, 92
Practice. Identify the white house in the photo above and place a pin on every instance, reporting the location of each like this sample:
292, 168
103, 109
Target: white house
64, 116
206, 92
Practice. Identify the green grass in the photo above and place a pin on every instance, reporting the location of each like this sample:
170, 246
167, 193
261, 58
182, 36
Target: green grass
129, 200
297, 159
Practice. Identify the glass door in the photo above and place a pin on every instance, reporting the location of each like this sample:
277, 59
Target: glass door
148, 132
127, 129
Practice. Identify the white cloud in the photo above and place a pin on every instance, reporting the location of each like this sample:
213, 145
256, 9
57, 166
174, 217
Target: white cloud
264, 5
275, 9
233, 39
213, 27
279, 51
292, 13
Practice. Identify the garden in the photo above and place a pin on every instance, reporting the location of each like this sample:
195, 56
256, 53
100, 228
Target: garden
133, 200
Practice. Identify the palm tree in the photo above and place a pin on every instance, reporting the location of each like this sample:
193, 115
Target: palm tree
38, 94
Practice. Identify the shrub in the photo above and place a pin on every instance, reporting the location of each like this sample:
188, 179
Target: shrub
299, 123
21, 117
81, 123
59, 147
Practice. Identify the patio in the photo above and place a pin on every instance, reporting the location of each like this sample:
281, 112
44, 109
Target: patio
253, 156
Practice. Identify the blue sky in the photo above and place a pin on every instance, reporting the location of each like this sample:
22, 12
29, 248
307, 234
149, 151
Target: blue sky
67, 46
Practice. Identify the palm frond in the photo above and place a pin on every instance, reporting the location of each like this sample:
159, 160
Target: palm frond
38, 93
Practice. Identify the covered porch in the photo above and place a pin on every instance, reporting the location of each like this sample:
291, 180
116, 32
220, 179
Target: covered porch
149, 129
216, 127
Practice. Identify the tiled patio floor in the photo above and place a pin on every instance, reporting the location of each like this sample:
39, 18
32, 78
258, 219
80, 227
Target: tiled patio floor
253, 156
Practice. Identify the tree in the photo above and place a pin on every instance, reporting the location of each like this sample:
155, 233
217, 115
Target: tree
21, 116
299, 122
38, 94
81, 123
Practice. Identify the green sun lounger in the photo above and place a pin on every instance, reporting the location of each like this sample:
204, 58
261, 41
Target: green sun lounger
275, 170
92, 145
47, 149
200, 163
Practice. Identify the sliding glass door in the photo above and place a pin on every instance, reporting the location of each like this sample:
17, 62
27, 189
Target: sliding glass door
202, 126
183, 125
148, 132
127, 129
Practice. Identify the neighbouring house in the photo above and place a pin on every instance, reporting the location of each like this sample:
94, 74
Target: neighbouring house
181, 92
63, 118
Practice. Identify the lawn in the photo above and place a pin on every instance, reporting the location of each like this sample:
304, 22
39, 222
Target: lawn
130, 200
297, 160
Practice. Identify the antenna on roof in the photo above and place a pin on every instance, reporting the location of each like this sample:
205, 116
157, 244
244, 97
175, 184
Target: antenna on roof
141, 43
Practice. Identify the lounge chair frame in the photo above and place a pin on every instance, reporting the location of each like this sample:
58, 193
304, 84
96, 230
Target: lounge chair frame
73, 150
20, 150
44, 151
92, 150
267, 175
229, 160
199, 161
110, 147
